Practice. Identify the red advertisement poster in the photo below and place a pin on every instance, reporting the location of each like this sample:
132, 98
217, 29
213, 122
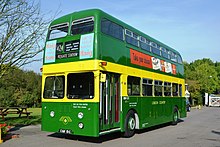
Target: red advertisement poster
174, 69
162, 65
148, 61
141, 59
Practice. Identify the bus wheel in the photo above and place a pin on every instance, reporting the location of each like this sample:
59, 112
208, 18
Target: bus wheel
130, 124
175, 116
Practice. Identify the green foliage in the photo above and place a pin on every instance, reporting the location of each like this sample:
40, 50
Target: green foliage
20, 88
203, 76
16, 121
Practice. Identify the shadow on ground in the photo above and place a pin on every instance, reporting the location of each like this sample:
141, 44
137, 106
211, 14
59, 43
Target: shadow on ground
12, 133
100, 139
16, 128
105, 138
157, 127
216, 132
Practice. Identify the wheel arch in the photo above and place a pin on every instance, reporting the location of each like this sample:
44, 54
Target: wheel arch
175, 115
137, 120
176, 108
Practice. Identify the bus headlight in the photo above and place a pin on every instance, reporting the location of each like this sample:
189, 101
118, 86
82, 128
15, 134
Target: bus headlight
81, 125
80, 115
52, 113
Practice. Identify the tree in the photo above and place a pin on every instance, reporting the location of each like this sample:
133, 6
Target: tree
207, 78
194, 89
20, 88
203, 77
217, 68
22, 31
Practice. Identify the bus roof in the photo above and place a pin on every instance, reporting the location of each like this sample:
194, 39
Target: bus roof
99, 13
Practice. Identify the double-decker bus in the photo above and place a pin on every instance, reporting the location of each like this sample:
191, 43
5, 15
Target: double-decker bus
101, 75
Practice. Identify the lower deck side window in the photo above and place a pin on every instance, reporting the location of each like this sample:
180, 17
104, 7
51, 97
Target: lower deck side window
180, 89
147, 87
158, 88
167, 89
175, 91
133, 85
150, 87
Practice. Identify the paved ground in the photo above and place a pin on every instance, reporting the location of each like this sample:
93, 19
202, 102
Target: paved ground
200, 129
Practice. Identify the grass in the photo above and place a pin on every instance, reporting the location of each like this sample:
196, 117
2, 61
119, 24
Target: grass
33, 119
35, 111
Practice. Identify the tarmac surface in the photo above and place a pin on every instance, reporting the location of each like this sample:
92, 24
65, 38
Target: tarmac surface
201, 128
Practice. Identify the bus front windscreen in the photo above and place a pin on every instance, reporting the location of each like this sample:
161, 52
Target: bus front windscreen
80, 85
54, 87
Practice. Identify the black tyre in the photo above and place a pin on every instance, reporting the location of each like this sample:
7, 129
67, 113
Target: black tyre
130, 124
175, 116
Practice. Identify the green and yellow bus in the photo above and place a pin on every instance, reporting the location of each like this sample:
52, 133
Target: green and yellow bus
101, 75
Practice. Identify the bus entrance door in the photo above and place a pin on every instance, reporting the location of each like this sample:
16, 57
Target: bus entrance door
109, 101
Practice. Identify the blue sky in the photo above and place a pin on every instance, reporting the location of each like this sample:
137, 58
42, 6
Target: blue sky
190, 26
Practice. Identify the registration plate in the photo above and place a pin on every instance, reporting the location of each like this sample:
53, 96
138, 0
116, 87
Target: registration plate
66, 131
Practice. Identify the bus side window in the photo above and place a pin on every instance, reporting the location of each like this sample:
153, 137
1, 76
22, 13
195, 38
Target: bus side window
131, 38
158, 88
179, 59
173, 56
133, 85
164, 53
175, 89
167, 89
147, 87
180, 89
155, 48
112, 29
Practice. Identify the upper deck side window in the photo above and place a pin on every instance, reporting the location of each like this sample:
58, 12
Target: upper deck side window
164, 53
179, 59
155, 48
173, 56
112, 29
131, 37
145, 44
58, 31
82, 26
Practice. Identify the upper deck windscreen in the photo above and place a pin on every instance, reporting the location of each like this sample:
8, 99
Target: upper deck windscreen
82, 26
70, 40
58, 31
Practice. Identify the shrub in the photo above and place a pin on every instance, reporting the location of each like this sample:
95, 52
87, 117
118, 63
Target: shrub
5, 128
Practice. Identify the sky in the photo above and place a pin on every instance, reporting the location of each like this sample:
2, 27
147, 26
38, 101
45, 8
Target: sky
192, 27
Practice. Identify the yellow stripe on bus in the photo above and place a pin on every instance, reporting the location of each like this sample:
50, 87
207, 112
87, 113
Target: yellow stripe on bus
95, 66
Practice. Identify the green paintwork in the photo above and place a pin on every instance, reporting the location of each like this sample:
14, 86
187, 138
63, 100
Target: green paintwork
105, 46
150, 110
66, 117
153, 110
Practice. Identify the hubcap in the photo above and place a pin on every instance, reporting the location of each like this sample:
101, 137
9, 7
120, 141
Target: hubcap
175, 116
131, 123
